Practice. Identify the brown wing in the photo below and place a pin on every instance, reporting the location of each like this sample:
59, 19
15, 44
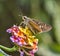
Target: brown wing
43, 26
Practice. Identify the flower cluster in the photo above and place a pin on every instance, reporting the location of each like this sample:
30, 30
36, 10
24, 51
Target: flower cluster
23, 38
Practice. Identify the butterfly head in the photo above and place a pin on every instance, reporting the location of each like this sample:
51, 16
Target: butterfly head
24, 17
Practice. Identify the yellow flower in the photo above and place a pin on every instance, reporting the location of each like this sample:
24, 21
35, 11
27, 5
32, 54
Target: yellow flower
30, 37
26, 31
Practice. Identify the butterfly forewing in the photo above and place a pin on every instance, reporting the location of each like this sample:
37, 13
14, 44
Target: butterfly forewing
43, 26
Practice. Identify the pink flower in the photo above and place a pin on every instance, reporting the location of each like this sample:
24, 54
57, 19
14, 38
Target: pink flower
23, 38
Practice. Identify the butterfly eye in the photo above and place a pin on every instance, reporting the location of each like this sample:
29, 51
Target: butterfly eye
24, 17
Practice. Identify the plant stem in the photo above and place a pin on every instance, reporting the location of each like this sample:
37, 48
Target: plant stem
8, 49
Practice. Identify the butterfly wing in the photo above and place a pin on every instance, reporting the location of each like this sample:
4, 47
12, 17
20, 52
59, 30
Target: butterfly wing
43, 26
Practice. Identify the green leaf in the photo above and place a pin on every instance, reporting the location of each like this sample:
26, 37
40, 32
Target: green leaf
2, 53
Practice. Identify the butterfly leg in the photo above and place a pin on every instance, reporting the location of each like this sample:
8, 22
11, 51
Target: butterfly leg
30, 27
22, 24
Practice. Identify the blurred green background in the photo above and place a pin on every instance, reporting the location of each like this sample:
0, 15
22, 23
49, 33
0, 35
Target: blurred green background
47, 11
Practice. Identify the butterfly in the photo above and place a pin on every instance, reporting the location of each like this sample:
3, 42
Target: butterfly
35, 25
